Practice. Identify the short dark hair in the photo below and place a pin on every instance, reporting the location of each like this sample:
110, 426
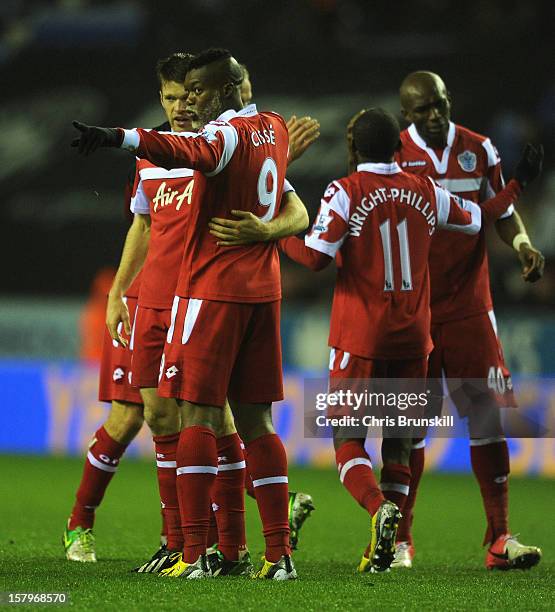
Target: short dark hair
376, 134
173, 67
208, 56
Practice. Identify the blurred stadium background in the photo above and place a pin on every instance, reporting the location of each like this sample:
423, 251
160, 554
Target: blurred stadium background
63, 221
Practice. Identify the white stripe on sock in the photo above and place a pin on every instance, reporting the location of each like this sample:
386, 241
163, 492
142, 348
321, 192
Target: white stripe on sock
395, 486
421, 444
223, 467
260, 482
98, 464
351, 463
485, 441
166, 464
197, 469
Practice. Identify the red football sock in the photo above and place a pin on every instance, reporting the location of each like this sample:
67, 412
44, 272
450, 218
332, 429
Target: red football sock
490, 463
416, 464
394, 483
355, 473
267, 461
166, 450
197, 466
212, 537
101, 463
228, 497
248, 485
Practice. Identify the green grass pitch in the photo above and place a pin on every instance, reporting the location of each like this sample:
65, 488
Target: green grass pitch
36, 495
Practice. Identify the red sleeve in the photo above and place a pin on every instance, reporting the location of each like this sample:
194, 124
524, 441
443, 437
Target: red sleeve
296, 250
495, 177
495, 207
209, 151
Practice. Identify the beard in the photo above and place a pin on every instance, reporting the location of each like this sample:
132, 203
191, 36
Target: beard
210, 112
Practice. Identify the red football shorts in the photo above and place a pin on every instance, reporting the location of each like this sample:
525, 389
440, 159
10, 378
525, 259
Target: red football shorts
470, 349
147, 345
403, 377
345, 365
219, 349
115, 367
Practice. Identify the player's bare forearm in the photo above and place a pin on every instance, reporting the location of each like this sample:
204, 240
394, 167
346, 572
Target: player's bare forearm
513, 233
133, 256
292, 219
296, 249
132, 259
509, 227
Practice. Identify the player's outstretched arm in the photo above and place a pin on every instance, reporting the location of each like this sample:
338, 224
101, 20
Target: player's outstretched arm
92, 137
291, 220
512, 229
302, 133
203, 151
132, 259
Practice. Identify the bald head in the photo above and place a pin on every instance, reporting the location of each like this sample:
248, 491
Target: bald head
420, 83
425, 102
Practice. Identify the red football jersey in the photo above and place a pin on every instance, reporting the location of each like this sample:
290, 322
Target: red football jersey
380, 221
166, 196
240, 162
458, 265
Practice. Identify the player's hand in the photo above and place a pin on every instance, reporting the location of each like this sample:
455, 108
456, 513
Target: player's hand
117, 319
247, 230
533, 263
91, 138
302, 133
351, 160
529, 165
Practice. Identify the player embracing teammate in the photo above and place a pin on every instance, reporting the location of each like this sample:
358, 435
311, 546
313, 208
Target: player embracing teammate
226, 319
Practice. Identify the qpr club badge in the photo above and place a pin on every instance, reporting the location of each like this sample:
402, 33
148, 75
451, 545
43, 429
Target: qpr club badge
467, 161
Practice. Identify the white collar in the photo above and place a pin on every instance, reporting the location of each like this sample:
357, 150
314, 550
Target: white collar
380, 168
248, 111
440, 165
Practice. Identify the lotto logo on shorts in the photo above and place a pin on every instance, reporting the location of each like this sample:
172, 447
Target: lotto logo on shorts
119, 375
171, 371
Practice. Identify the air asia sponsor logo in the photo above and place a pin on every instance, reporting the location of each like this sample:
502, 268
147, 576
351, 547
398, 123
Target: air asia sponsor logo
413, 163
467, 161
118, 375
166, 196
171, 371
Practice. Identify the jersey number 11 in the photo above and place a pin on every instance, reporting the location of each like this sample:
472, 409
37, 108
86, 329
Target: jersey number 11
406, 278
